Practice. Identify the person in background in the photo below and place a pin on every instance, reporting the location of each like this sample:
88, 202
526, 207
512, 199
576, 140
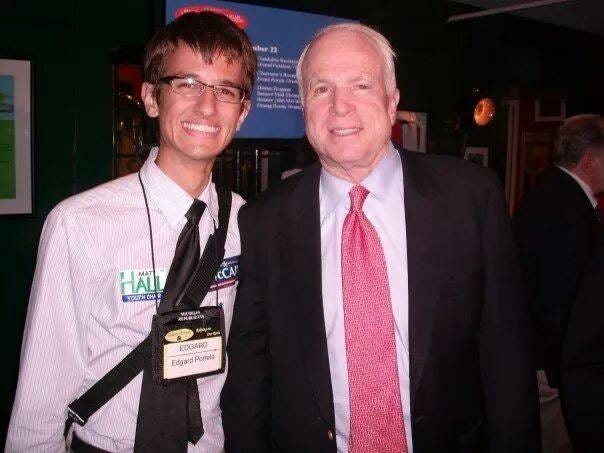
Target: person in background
582, 367
555, 229
303, 155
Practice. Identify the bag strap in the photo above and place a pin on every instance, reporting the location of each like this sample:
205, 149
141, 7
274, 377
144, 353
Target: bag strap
80, 410
210, 261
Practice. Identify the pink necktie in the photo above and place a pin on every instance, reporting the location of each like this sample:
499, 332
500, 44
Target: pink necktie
376, 413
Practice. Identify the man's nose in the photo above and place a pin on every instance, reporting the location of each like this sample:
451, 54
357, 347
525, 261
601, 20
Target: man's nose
341, 103
206, 103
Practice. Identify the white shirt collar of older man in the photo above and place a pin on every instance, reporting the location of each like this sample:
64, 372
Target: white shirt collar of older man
583, 184
171, 199
379, 183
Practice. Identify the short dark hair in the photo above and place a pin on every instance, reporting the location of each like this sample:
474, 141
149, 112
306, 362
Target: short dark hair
576, 136
208, 33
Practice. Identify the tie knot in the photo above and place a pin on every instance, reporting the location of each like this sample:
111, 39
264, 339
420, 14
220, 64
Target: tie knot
358, 194
195, 211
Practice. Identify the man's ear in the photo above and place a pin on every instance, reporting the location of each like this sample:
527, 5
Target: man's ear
393, 104
245, 109
148, 96
586, 163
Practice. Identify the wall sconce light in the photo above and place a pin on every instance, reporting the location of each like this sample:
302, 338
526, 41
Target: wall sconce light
484, 111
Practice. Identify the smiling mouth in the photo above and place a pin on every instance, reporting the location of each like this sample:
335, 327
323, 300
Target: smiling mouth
344, 132
200, 127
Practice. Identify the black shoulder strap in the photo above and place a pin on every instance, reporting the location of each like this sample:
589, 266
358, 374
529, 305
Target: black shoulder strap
119, 376
212, 256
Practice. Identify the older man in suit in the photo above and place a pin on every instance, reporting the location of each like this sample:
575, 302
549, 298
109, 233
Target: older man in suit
582, 365
379, 308
555, 230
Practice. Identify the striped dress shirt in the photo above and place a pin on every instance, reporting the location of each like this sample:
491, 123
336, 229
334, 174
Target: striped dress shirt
92, 302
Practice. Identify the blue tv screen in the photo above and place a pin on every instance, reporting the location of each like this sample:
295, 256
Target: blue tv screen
278, 37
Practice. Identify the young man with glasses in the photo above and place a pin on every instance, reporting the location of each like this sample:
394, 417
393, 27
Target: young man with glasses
93, 296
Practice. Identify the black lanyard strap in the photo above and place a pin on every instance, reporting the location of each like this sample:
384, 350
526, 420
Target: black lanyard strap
211, 259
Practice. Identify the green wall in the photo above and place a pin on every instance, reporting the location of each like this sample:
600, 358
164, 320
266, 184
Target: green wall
71, 44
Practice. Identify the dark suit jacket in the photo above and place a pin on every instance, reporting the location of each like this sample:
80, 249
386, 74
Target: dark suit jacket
554, 230
582, 371
471, 377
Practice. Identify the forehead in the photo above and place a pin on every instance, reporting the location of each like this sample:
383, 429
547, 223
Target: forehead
186, 60
342, 52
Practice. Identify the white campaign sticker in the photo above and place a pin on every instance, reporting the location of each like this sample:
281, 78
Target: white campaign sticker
192, 357
136, 285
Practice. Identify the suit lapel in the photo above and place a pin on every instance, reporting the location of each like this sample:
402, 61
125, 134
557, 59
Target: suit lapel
299, 244
425, 240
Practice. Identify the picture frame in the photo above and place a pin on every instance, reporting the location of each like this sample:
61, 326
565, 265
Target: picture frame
536, 148
16, 137
410, 130
128, 118
545, 115
477, 154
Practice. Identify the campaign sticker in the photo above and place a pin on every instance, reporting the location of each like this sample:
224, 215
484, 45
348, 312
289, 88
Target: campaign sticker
227, 274
136, 285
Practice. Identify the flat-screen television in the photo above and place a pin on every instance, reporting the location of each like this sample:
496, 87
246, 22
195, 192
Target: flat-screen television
278, 37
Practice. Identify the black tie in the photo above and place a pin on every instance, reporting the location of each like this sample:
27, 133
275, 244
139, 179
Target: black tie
169, 415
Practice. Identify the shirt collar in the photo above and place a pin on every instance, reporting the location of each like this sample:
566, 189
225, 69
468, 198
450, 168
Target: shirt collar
171, 200
583, 184
379, 183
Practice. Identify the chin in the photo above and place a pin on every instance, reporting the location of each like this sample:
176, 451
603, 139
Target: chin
205, 149
348, 156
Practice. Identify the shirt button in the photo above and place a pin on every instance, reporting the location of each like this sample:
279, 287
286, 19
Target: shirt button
329, 434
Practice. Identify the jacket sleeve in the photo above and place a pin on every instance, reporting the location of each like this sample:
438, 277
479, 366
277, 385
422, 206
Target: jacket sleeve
245, 396
553, 243
506, 359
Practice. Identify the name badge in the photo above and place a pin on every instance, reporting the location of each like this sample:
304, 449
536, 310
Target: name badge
188, 344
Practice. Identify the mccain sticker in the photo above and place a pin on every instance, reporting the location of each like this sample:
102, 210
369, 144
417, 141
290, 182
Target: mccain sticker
175, 336
228, 273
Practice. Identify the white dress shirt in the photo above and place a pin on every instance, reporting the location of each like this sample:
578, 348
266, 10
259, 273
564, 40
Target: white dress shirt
588, 192
385, 209
85, 312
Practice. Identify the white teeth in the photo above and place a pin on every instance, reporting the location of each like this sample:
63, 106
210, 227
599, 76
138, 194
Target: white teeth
200, 127
343, 132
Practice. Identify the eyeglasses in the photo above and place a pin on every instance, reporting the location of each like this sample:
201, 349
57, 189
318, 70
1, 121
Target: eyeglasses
190, 87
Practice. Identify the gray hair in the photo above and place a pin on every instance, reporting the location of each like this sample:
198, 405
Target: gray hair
576, 136
377, 39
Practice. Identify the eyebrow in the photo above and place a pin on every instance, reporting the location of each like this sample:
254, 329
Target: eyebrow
314, 81
225, 82
363, 77
319, 80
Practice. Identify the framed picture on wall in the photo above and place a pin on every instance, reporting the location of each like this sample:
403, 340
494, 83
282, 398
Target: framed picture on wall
478, 155
129, 119
410, 130
16, 137
552, 111
536, 154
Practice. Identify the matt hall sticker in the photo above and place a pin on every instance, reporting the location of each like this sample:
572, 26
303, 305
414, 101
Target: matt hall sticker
137, 284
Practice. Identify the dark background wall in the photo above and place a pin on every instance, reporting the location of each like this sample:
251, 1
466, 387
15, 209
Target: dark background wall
72, 44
